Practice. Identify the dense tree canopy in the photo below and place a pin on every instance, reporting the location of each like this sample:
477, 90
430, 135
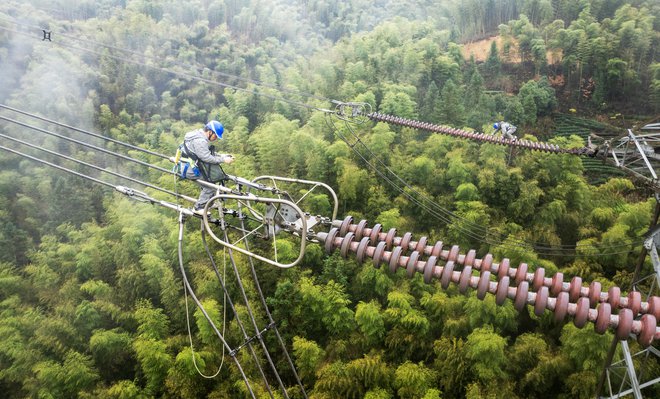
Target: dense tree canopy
91, 295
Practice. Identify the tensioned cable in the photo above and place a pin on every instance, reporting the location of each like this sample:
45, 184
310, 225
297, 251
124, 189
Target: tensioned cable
215, 72
183, 272
139, 54
79, 130
408, 195
232, 354
238, 318
469, 233
95, 167
484, 231
175, 73
94, 147
58, 167
251, 315
538, 246
265, 305
453, 215
395, 185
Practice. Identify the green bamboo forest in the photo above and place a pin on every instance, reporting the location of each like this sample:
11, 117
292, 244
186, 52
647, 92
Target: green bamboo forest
92, 298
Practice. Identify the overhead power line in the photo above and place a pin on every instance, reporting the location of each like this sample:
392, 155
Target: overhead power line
474, 231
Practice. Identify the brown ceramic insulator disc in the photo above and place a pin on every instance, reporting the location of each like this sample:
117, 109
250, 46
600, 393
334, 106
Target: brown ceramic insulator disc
445, 279
394, 259
557, 284
594, 293
378, 254
375, 233
484, 283
453, 253
411, 266
603, 319
561, 306
654, 306
541, 301
624, 327
437, 249
359, 230
521, 273
614, 296
469, 259
645, 337
346, 244
464, 282
521, 296
635, 302
539, 275
429, 269
389, 238
581, 312
330, 240
362, 247
343, 229
502, 290
405, 241
421, 245
503, 269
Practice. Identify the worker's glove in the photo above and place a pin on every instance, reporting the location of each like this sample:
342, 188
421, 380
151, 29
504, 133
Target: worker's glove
229, 159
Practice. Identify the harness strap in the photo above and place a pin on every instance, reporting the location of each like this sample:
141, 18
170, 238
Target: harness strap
198, 167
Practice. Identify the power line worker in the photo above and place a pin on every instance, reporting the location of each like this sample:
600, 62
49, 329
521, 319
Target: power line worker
507, 129
202, 162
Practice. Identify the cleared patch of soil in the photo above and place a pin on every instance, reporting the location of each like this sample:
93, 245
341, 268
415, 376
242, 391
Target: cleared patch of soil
481, 48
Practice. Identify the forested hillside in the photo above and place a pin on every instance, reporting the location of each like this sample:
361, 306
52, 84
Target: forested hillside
92, 302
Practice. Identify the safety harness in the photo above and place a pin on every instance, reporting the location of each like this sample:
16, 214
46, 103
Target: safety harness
186, 159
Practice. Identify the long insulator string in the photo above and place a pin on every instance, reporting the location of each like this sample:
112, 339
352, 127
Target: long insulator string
483, 137
624, 322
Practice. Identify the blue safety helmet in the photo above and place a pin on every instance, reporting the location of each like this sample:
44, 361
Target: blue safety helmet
496, 126
216, 127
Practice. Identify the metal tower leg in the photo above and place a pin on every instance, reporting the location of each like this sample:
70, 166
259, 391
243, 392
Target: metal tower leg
631, 377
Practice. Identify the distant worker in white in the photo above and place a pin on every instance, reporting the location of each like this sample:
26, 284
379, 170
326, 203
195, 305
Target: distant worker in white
507, 129
202, 162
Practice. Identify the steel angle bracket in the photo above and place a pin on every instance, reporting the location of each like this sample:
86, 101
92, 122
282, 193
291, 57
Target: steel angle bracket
636, 154
314, 184
299, 228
